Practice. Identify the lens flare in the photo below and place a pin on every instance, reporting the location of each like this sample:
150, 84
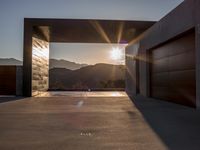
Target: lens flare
116, 54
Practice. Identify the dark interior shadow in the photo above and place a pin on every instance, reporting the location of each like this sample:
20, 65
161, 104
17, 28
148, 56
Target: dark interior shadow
177, 126
9, 99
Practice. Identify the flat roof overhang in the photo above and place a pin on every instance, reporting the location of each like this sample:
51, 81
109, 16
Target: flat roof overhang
76, 31
87, 30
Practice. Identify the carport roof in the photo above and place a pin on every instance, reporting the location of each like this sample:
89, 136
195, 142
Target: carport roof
87, 30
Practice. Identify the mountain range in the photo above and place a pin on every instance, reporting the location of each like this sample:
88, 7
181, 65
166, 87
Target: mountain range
65, 75
53, 63
99, 76
10, 61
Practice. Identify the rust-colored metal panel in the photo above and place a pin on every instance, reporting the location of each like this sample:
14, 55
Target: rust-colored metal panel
7, 80
173, 71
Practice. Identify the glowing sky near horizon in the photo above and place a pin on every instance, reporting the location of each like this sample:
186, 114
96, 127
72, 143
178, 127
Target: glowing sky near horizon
89, 53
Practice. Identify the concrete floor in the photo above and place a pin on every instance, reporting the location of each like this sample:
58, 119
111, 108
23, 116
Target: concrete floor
89, 122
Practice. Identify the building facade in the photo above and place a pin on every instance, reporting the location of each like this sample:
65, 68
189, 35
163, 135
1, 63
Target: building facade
169, 58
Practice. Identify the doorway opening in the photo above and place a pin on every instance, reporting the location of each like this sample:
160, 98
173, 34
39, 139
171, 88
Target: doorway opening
86, 67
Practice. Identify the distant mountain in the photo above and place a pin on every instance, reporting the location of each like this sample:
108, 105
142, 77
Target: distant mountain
64, 75
93, 77
54, 63
10, 61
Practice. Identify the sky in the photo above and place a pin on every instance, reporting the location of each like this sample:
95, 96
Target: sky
89, 53
12, 13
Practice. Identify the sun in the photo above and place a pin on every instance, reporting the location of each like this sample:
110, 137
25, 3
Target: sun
116, 54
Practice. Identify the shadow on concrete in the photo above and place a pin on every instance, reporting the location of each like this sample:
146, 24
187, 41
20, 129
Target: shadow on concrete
9, 99
176, 125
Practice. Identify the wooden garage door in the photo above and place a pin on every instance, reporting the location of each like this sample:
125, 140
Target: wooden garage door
173, 71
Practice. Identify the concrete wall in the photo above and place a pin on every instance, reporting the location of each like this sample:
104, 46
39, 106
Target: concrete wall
40, 65
131, 69
143, 73
19, 80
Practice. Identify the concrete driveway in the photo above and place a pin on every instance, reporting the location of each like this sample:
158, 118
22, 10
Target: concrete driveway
102, 122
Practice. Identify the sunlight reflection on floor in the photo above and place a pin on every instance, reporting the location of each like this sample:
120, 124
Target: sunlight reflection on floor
82, 94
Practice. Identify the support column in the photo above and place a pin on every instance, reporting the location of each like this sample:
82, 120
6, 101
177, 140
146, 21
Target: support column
131, 69
27, 59
197, 51
40, 65
144, 73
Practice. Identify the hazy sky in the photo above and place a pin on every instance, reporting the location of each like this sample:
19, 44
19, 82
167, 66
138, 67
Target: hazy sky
12, 13
86, 53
